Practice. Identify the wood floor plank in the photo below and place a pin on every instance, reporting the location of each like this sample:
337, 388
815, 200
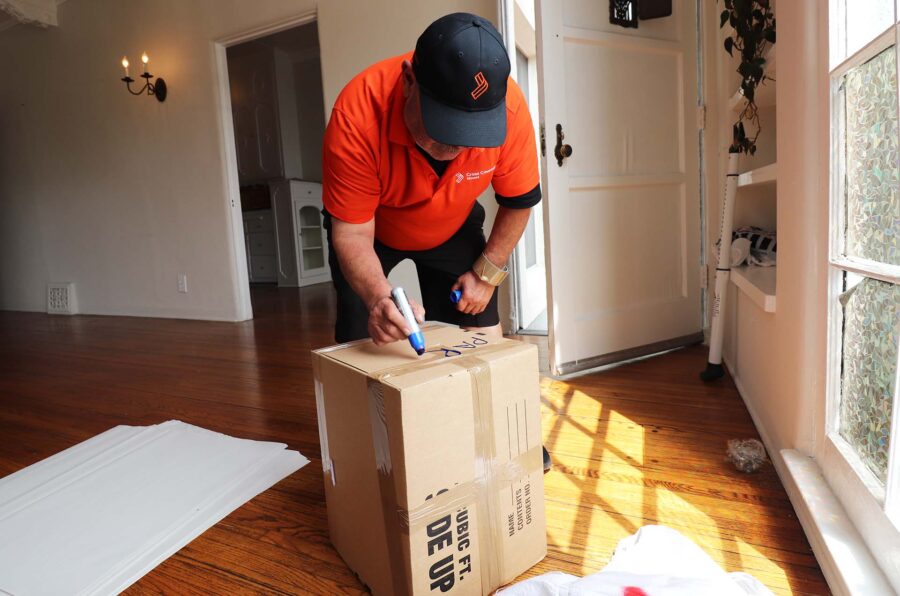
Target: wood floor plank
634, 445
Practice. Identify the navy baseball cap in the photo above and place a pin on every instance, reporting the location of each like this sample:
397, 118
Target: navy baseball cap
461, 67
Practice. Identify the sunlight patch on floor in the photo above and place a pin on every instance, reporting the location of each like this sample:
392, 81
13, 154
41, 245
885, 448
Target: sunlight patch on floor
758, 564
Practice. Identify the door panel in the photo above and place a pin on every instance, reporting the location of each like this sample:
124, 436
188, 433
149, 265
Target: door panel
626, 136
623, 212
269, 141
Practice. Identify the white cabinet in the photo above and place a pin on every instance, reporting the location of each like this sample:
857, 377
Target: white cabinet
301, 242
254, 104
312, 248
259, 242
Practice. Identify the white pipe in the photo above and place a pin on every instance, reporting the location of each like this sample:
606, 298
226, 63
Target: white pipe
723, 272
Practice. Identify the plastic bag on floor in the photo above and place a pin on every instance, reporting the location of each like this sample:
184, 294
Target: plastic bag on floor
655, 561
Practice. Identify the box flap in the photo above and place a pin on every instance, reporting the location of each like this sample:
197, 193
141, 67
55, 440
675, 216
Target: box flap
440, 340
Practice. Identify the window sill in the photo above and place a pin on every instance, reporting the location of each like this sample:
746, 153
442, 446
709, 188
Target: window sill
845, 559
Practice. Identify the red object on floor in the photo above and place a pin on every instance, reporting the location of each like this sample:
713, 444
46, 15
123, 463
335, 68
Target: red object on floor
632, 591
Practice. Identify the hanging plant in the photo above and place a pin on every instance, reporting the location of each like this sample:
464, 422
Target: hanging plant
753, 32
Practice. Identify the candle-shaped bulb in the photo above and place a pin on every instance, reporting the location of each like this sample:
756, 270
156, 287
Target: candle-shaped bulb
145, 58
125, 64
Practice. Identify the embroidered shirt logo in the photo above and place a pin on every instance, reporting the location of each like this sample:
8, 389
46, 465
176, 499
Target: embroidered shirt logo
472, 176
481, 85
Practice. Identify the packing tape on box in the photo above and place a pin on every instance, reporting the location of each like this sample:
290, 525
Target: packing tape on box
490, 475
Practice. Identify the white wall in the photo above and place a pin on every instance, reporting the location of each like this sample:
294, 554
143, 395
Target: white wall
119, 194
803, 167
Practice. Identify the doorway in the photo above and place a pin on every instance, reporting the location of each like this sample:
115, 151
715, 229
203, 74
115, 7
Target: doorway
277, 117
528, 270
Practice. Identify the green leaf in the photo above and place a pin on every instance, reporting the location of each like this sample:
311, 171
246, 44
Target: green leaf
729, 44
723, 18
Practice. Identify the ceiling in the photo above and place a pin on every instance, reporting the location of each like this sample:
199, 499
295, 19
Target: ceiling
41, 12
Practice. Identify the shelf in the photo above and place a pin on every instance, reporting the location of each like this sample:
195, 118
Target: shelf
758, 283
764, 175
765, 92
311, 248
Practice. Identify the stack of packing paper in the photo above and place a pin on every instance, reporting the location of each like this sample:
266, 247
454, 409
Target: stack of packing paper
95, 518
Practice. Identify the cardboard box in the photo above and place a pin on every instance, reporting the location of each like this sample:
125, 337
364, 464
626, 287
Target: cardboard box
433, 469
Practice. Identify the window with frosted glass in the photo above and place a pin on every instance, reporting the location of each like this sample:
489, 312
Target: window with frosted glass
870, 178
872, 203
869, 368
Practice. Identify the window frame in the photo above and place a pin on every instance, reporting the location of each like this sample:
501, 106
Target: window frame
856, 486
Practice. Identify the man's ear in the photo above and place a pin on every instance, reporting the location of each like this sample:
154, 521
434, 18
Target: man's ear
409, 77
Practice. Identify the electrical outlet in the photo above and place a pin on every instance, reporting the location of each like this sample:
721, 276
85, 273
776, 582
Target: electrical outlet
182, 283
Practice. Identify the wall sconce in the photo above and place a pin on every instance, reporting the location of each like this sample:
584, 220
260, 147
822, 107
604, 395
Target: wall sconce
158, 89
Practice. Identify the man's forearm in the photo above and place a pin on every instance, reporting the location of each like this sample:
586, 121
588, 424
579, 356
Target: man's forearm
361, 268
508, 227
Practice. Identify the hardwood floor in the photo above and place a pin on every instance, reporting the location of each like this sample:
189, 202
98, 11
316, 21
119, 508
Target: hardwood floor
635, 445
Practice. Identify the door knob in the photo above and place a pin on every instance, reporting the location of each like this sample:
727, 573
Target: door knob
561, 151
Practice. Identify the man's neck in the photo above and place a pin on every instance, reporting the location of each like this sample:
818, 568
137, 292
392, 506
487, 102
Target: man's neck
437, 165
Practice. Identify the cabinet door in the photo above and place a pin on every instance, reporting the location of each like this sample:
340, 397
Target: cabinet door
268, 139
262, 268
251, 72
245, 143
312, 248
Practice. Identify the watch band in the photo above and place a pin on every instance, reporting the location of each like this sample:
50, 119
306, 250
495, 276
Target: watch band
488, 272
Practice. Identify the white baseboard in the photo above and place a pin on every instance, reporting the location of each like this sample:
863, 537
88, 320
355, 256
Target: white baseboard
846, 562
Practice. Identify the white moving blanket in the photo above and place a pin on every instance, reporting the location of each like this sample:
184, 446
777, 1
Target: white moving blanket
655, 561
96, 517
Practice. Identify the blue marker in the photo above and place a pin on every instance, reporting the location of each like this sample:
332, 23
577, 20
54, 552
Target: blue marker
416, 339
455, 296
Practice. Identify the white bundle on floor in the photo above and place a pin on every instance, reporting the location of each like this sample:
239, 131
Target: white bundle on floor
96, 517
655, 561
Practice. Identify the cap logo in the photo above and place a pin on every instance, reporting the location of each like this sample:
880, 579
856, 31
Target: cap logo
481, 85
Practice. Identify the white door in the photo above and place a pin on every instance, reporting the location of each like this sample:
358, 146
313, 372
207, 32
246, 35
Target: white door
623, 212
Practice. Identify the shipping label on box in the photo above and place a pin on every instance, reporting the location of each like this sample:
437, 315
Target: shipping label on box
433, 475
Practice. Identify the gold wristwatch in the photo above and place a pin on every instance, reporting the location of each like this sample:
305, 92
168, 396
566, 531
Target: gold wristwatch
488, 272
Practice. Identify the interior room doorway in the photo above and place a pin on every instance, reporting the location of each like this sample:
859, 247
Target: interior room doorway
277, 120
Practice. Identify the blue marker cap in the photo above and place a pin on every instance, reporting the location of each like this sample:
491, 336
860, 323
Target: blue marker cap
417, 341
455, 296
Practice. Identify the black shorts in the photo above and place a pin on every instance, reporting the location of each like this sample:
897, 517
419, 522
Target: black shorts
438, 269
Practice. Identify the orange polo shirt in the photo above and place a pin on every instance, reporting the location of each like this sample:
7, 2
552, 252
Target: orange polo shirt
371, 167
